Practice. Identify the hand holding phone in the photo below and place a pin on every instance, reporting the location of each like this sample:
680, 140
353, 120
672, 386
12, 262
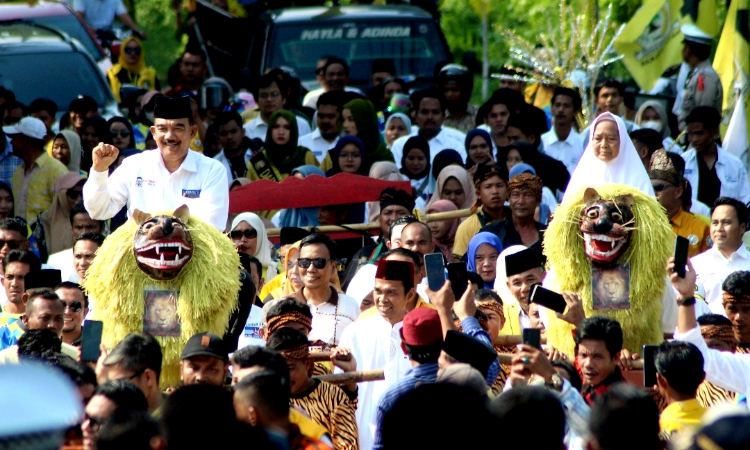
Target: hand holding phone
532, 337
548, 299
435, 267
681, 247
459, 278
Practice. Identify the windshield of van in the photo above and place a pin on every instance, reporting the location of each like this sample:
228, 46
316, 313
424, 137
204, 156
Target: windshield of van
414, 46
71, 25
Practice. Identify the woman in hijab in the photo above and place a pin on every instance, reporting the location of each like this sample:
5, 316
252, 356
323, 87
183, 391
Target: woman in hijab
478, 145
282, 152
7, 202
383, 170
121, 132
415, 165
249, 236
396, 126
56, 230
652, 115
553, 173
131, 69
301, 217
454, 184
481, 257
66, 148
360, 119
292, 281
443, 231
443, 159
610, 157
349, 156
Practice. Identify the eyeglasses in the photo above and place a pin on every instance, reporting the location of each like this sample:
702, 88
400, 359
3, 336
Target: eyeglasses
12, 244
319, 263
133, 50
94, 422
73, 194
75, 306
123, 133
661, 186
237, 234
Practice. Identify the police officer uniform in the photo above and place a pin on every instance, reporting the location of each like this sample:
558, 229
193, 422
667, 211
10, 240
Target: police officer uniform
703, 85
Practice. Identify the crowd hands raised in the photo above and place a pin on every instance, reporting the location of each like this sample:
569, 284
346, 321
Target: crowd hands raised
338, 344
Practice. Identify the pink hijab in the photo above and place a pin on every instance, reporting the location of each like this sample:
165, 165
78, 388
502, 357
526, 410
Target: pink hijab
445, 244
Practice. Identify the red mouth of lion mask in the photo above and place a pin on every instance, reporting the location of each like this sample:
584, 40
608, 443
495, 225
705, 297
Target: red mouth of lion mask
606, 226
162, 244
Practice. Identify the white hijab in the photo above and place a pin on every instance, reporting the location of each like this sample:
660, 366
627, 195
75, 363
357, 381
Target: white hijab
263, 249
626, 168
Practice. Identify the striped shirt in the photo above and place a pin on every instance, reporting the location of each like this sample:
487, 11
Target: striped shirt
329, 406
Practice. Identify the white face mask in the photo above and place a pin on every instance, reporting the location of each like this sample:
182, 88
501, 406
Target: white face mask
652, 124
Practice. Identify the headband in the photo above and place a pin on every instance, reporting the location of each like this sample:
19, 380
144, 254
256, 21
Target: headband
726, 297
300, 353
527, 182
276, 322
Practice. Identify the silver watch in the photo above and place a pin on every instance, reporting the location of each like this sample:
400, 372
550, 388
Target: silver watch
555, 383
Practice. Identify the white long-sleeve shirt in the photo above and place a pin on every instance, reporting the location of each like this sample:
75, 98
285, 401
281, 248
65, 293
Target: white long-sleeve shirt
448, 138
144, 183
731, 172
712, 268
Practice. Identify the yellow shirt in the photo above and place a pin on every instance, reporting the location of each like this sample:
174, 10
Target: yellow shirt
695, 230
466, 230
681, 415
35, 192
372, 311
512, 326
271, 286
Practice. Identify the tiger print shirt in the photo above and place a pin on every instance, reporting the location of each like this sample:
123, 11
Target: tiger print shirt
499, 384
329, 406
710, 394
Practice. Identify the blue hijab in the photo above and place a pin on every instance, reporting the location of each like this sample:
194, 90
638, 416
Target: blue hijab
470, 137
301, 217
477, 241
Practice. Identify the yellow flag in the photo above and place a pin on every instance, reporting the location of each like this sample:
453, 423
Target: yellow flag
480, 5
652, 41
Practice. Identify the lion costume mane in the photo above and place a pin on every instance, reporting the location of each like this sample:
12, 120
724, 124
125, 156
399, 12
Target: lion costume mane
649, 248
208, 286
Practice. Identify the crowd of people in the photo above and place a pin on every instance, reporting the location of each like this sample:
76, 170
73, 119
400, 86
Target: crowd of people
343, 344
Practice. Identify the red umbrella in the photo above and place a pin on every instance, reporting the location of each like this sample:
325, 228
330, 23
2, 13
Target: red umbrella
313, 190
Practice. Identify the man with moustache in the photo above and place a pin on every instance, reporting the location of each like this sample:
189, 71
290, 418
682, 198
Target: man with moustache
160, 180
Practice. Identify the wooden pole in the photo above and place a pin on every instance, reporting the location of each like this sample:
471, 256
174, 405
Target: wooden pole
505, 358
427, 218
352, 377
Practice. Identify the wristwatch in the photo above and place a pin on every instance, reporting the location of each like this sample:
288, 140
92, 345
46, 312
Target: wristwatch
686, 301
555, 383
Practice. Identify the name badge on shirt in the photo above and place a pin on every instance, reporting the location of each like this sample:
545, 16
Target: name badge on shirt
191, 193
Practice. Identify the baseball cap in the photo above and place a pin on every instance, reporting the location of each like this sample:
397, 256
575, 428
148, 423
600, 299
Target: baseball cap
205, 344
28, 126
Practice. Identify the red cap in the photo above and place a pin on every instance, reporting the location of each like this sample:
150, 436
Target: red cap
395, 270
422, 327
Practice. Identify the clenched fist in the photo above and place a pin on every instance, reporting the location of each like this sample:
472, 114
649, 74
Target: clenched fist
104, 155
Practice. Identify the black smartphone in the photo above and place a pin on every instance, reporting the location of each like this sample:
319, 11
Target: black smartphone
532, 337
548, 299
681, 245
90, 340
649, 367
435, 266
459, 278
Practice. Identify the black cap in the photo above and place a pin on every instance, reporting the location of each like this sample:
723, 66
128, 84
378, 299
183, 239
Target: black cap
466, 349
45, 278
205, 344
726, 433
173, 108
521, 262
290, 235
383, 65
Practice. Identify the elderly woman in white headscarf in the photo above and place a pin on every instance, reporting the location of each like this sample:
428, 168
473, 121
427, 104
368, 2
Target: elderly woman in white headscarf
610, 157
652, 115
249, 236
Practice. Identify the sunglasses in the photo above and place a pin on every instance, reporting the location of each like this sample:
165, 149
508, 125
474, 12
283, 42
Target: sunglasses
319, 263
661, 186
123, 133
73, 194
133, 50
75, 306
237, 234
12, 244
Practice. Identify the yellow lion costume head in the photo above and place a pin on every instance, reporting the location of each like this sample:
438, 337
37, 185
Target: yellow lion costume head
649, 248
208, 285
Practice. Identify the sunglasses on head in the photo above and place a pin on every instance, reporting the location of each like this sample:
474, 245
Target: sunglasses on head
661, 186
133, 50
237, 234
75, 306
12, 244
319, 263
123, 133
73, 194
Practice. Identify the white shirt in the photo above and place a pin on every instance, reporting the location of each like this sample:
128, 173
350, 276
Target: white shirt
99, 13
251, 333
730, 371
63, 261
311, 98
567, 152
330, 321
375, 344
316, 144
144, 183
257, 128
225, 162
712, 268
447, 138
731, 172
